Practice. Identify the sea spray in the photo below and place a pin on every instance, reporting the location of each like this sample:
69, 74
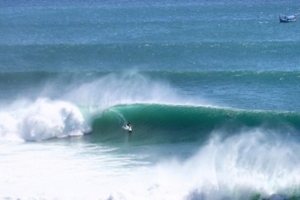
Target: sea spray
254, 162
41, 119
125, 88
8, 128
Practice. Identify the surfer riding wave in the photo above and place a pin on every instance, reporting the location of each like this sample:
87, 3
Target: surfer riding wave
128, 127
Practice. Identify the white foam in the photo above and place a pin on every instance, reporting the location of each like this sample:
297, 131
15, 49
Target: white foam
234, 168
40, 120
238, 167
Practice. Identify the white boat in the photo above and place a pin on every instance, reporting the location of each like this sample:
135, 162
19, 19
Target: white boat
287, 18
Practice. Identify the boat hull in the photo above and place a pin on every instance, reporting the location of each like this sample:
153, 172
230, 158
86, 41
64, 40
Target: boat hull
287, 18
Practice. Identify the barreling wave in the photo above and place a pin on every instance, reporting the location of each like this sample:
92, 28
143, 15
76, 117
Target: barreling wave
151, 100
179, 123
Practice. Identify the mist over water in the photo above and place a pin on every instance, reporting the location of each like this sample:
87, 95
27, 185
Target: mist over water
128, 88
231, 167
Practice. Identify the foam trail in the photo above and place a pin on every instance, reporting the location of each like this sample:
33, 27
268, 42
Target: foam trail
40, 120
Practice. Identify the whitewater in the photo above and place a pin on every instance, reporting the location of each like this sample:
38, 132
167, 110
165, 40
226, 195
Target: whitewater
211, 90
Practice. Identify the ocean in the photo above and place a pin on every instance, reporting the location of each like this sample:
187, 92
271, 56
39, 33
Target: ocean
211, 89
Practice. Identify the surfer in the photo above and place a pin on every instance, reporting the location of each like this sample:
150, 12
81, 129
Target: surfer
128, 127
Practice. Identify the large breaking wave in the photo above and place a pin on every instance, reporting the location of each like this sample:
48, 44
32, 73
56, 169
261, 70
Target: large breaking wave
43, 105
178, 123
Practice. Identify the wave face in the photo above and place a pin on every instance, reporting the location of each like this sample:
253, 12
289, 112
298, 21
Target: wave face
156, 123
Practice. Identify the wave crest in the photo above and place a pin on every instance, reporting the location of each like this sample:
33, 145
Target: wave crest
41, 120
